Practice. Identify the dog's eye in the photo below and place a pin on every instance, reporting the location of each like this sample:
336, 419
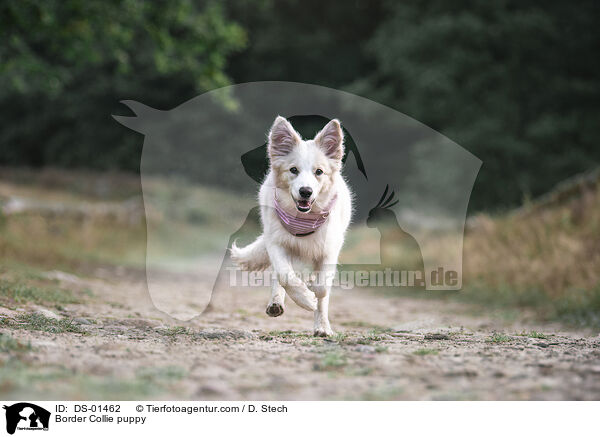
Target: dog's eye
319, 172
294, 170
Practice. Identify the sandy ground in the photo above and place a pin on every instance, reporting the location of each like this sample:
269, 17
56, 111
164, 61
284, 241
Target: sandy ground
387, 347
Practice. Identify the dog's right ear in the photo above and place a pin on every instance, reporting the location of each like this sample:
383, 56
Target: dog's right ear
282, 138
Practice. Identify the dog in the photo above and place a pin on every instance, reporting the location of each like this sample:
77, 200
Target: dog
306, 208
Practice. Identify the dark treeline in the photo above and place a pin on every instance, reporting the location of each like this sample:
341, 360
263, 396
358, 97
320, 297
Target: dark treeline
514, 82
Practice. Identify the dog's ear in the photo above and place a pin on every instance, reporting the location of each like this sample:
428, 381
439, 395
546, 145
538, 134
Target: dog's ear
331, 140
282, 138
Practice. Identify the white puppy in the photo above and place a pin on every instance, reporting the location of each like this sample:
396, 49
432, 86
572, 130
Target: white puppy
306, 208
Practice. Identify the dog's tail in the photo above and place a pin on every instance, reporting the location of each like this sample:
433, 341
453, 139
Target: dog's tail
253, 257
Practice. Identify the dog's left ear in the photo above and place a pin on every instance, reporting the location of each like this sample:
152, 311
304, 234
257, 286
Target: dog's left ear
331, 140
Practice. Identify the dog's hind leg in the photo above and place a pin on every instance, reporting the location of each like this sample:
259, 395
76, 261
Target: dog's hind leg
276, 306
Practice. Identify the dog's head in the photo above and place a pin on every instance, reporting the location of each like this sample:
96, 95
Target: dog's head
306, 169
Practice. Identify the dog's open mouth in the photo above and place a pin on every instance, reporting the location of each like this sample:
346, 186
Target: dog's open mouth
303, 205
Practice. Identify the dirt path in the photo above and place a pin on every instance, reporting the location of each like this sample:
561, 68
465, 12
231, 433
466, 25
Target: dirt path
386, 348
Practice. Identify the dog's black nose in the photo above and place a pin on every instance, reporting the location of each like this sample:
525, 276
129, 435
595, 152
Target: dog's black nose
305, 192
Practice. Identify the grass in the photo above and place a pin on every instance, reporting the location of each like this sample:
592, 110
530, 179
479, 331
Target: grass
289, 334
39, 322
370, 339
110, 227
161, 374
374, 335
533, 334
425, 351
545, 259
340, 337
17, 293
333, 360
359, 371
19, 379
315, 342
10, 344
174, 331
580, 308
499, 338
351, 338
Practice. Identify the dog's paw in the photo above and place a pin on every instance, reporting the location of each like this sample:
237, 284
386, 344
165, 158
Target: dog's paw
323, 332
275, 310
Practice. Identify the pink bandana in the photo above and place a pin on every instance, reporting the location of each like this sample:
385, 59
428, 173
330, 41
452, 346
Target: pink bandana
301, 224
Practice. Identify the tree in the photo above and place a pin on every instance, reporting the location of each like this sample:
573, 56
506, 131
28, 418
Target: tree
308, 41
65, 65
514, 82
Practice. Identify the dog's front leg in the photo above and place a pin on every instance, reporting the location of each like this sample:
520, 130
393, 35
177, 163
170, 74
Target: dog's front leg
322, 289
276, 306
322, 327
289, 280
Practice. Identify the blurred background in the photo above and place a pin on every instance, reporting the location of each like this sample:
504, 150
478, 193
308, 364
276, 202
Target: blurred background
514, 82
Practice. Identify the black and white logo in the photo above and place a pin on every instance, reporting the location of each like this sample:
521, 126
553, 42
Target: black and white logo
26, 416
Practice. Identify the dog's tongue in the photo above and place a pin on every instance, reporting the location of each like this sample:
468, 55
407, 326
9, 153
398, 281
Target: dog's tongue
303, 203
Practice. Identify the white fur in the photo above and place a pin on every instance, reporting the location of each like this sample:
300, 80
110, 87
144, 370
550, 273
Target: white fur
276, 247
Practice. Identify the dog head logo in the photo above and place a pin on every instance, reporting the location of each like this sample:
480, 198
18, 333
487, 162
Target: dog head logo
26, 416
426, 177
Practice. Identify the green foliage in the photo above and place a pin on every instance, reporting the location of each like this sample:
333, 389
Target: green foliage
425, 351
533, 334
15, 292
498, 338
514, 82
175, 331
39, 322
331, 361
306, 41
161, 374
9, 344
21, 376
65, 66
370, 338
579, 308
